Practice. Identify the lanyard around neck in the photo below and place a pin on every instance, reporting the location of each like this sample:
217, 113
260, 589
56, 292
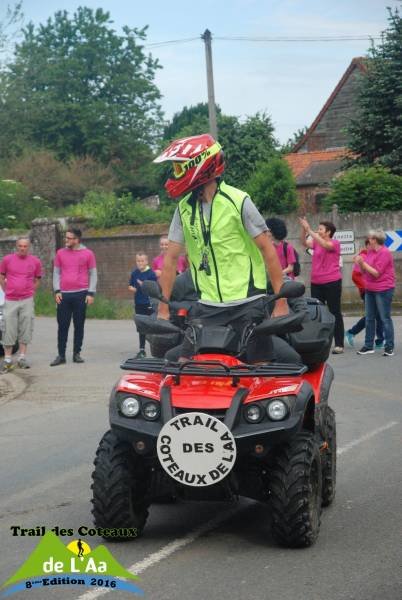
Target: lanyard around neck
205, 228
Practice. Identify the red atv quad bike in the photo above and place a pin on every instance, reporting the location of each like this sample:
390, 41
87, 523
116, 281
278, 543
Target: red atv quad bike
216, 428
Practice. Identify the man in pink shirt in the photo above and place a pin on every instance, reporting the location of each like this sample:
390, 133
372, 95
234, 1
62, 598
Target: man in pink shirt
379, 282
20, 275
157, 263
74, 283
326, 276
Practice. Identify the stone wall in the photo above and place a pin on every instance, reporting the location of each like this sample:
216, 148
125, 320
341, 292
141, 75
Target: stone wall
116, 253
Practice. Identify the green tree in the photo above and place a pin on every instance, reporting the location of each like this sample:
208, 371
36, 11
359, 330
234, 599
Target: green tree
365, 189
10, 22
78, 88
272, 187
376, 132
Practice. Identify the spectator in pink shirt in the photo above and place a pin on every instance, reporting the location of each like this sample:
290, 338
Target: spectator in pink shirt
284, 250
326, 276
157, 263
20, 275
379, 281
74, 283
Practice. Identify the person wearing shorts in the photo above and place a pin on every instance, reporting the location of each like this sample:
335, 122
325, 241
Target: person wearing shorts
20, 274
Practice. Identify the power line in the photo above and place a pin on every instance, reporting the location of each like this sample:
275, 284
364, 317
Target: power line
272, 39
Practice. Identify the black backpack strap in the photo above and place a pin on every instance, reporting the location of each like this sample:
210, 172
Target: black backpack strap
285, 251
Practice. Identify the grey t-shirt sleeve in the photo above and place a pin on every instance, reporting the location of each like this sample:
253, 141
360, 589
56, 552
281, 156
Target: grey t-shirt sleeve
253, 220
176, 229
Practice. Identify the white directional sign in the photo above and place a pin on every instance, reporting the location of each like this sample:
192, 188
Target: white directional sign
345, 236
348, 248
394, 240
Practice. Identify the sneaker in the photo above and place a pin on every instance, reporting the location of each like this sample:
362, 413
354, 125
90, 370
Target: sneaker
337, 350
388, 351
141, 354
59, 360
365, 350
22, 363
379, 344
77, 358
350, 338
7, 367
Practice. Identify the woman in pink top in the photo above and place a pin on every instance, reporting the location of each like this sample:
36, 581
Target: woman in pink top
379, 281
326, 276
286, 254
157, 263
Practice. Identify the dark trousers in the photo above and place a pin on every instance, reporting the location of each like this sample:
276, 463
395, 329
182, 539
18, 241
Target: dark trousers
361, 324
330, 294
259, 347
143, 309
72, 305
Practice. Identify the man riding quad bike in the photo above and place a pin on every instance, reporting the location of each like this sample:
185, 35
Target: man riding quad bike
224, 420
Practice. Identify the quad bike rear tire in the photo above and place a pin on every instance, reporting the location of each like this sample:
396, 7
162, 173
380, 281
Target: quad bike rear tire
295, 492
329, 459
119, 488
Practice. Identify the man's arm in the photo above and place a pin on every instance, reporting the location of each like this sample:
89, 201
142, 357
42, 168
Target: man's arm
168, 276
274, 269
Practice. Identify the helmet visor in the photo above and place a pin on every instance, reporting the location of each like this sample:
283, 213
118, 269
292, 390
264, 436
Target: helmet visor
181, 168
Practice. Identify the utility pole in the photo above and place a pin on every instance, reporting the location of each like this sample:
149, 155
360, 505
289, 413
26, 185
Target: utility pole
206, 36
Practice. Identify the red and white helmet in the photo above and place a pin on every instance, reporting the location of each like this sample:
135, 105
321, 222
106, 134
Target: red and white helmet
195, 160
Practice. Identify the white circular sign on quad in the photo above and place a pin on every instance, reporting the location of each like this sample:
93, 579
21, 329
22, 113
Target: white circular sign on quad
196, 449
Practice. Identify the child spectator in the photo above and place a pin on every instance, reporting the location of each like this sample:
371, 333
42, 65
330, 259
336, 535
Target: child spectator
284, 250
157, 263
142, 303
358, 280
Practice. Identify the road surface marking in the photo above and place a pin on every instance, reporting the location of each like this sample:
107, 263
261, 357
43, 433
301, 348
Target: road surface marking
175, 545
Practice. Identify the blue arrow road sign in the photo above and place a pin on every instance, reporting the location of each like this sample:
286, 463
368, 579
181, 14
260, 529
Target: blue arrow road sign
394, 240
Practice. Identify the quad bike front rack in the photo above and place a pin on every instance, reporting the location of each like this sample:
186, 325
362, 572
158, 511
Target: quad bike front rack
212, 368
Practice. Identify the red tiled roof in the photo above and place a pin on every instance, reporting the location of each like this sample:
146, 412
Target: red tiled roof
299, 162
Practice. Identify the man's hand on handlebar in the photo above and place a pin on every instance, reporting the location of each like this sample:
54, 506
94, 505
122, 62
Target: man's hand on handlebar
163, 311
281, 308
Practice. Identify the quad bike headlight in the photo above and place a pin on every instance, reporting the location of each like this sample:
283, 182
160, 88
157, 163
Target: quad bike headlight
151, 411
253, 413
130, 406
277, 410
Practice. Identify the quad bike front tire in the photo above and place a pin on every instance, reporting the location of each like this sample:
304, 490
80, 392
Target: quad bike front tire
295, 492
119, 488
329, 459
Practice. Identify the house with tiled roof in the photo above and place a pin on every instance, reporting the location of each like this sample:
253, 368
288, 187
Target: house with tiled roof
319, 154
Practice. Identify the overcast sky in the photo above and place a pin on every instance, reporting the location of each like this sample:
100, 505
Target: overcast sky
289, 80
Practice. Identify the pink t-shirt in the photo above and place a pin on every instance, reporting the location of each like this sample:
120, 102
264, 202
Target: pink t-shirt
157, 263
286, 259
74, 268
382, 261
325, 263
20, 273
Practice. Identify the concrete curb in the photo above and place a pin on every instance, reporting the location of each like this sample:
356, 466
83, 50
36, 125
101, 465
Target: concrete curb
11, 386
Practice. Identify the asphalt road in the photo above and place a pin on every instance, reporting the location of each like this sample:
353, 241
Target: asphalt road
48, 438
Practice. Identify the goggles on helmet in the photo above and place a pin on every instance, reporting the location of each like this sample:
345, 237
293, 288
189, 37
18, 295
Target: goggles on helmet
182, 167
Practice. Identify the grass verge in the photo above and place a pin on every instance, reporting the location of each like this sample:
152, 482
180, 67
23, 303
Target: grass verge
102, 308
